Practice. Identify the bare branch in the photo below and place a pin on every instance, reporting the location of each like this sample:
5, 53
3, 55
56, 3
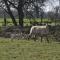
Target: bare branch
4, 9
12, 4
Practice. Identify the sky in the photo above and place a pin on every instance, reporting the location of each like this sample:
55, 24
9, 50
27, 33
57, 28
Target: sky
51, 4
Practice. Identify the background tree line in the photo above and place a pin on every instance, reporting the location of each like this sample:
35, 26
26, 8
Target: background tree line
27, 8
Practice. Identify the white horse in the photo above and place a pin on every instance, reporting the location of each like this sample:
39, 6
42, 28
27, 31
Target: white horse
39, 31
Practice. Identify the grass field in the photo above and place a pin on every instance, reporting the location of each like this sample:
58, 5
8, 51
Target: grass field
28, 50
26, 21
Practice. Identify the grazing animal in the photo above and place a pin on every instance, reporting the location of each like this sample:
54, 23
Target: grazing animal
39, 31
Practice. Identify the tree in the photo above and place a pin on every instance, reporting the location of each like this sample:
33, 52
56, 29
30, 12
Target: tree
56, 13
41, 9
19, 6
51, 16
5, 22
5, 5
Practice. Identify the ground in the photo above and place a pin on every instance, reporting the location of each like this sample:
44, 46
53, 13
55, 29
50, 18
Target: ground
26, 21
28, 50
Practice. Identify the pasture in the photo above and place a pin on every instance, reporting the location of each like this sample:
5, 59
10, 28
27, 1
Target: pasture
26, 21
28, 50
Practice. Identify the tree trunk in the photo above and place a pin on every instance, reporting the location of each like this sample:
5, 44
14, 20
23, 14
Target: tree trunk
21, 16
10, 13
37, 11
5, 19
20, 13
41, 18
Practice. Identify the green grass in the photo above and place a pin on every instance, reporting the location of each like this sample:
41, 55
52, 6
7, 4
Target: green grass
26, 21
28, 50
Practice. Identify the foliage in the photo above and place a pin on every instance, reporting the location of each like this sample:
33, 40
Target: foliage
25, 6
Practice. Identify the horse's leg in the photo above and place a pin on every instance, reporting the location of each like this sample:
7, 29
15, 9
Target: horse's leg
34, 37
29, 36
47, 38
41, 38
